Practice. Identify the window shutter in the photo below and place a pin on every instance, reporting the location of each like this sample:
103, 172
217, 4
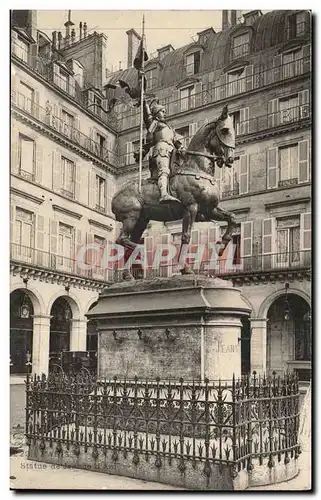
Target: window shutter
222, 92
304, 103
12, 224
15, 167
244, 120
76, 131
40, 221
194, 243
212, 239
249, 71
149, 250
92, 188
246, 244
90, 254
56, 75
198, 94
192, 129
175, 105
78, 167
268, 242
306, 62
244, 174
166, 268
277, 68
79, 244
129, 153
39, 162
272, 168
53, 242
303, 161
36, 104
273, 109
56, 170
305, 231
91, 100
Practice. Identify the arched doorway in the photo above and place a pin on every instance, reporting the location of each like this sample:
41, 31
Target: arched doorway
289, 336
60, 327
21, 330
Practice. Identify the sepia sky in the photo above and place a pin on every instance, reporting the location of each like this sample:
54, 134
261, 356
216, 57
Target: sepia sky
161, 27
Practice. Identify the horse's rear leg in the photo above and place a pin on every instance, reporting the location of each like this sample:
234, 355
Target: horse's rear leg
129, 238
223, 215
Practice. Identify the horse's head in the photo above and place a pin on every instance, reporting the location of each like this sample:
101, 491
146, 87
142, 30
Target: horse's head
221, 139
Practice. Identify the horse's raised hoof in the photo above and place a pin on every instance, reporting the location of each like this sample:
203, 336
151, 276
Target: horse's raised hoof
187, 270
127, 276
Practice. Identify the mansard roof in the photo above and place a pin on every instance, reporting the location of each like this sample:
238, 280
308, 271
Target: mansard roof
266, 31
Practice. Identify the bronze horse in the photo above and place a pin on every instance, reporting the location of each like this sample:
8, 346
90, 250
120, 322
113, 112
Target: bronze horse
191, 181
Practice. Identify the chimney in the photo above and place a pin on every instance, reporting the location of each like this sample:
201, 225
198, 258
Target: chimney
54, 40
67, 25
119, 65
80, 30
163, 51
250, 17
73, 36
229, 18
85, 29
133, 43
59, 40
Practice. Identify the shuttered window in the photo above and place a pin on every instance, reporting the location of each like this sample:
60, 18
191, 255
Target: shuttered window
305, 231
26, 157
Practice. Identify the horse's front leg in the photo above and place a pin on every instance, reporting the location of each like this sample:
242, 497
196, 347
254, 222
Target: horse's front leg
188, 222
223, 215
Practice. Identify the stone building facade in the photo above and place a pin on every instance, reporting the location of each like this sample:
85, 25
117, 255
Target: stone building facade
261, 68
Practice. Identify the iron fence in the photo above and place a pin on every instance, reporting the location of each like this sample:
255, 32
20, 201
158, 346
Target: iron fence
238, 423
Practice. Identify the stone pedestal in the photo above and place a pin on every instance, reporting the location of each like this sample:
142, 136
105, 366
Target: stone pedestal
170, 327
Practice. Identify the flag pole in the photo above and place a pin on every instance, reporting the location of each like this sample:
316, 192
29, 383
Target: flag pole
141, 110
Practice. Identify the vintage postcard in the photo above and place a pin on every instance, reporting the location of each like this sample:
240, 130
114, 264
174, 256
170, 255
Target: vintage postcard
160, 250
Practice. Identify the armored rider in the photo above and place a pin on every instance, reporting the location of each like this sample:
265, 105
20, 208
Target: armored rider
164, 140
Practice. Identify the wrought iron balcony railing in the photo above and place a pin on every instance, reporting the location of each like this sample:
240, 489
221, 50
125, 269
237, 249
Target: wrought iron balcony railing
70, 86
285, 261
216, 91
46, 116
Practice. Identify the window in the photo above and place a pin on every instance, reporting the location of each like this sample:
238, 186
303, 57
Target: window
236, 82
151, 78
184, 132
236, 121
65, 251
100, 193
97, 108
68, 121
187, 98
296, 24
67, 177
101, 146
288, 241
240, 45
229, 182
24, 233
192, 63
289, 165
289, 109
26, 98
26, 157
98, 254
21, 49
63, 80
292, 63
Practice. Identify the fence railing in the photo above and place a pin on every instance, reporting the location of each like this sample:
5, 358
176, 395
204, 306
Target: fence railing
230, 264
47, 117
216, 91
240, 424
69, 85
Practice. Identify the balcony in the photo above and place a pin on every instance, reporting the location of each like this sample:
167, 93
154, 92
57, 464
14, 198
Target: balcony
44, 67
230, 193
216, 92
288, 182
46, 117
58, 264
101, 209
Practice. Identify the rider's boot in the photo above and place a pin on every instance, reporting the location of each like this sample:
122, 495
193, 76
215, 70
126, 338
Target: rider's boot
162, 184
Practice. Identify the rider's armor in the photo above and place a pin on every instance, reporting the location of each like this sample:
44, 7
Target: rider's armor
163, 139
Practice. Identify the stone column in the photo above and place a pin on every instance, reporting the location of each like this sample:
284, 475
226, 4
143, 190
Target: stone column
40, 344
258, 344
222, 348
78, 335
